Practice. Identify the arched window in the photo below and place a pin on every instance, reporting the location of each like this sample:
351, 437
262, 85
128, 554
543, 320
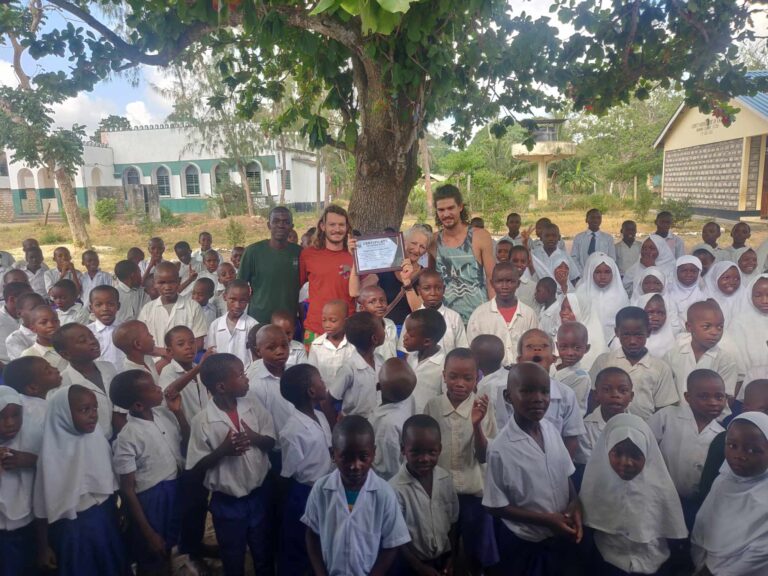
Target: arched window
253, 174
132, 177
95, 177
163, 181
192, 180
220, 174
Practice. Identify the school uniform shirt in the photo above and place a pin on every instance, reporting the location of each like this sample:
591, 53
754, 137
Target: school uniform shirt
429, 518
521, 474
48, 354
351, 539
389, 348
132, 300
652, 381
458, 454
183, 312
387, 421
526, 290
70, 377
264, 388
675, 243
429, 377
184, 275
682, 361
18, 341
109, 352
578, 380
194, 396
214, 277
305, 445
486, 319
36, 278
626, 256
7, 260
355, 385
327, 358
490, 383
632, 519
516, 241
234, 342
53, 275
16, 486
8, 325
151, 449
239, 475
144, 264
549, 318
545, 264
594, 424
297, 354
581, 242
210, 312
684, 448
87, 283
148, 367
563, 411
455, 335
77, 314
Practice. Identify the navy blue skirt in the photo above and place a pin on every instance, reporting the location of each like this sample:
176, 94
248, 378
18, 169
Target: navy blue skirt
293, 559
161, 508
523, 558
17, 550
477, 532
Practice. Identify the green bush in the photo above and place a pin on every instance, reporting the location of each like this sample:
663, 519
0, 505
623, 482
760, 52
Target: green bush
230, 199
106, 210
645, 201
84, 214
52, 236
584, 202
235, 232
168, 218
681, 210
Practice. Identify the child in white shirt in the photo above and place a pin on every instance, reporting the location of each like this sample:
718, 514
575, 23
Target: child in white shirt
44, 323
35, 270
129, 287
104, 305
229, 333
189, 269
331, 350
396, 383
572, 345
9, 314
65, 269
64, 297
488, 351
424, 329
202, 293
297, 354
21, 339
181, 375
133, 339
373, 299
92, 276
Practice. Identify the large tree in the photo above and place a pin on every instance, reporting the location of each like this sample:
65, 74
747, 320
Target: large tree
389, 67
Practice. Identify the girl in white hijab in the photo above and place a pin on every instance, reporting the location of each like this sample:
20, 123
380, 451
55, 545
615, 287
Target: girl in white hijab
746, 259
629, 499
74, 487
18, 458
600, 289
684, 289
651, 281
654, 251
662, 336
730, 537
571, 311
723, 284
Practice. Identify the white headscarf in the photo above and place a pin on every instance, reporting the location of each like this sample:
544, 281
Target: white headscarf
592, 323
637, 290
733, 516
738, 253
606, 301
71, 464
730, 305
661, 342
643, 509
747, 335
16, 485
762, 256
665, 262
681, 297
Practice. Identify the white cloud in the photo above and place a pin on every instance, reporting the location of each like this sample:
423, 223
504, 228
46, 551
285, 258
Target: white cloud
157, 79
137, 113
7, 76
82, 109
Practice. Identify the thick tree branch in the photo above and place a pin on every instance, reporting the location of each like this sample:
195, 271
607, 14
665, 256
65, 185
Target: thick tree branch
338, 144
632, 34
18, 68
686, 15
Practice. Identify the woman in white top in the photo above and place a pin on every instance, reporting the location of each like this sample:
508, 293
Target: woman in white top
600, 291
629, 500
654, 251
723, 284
730, 537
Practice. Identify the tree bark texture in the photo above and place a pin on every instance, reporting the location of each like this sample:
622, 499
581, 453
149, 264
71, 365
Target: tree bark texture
246, 189
69, 200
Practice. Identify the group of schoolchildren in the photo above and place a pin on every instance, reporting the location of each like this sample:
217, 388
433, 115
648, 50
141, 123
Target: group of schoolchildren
605, 413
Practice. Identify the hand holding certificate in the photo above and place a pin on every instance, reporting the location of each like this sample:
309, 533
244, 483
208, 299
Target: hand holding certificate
379, 253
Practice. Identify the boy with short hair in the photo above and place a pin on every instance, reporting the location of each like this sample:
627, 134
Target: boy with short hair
105, 304
503, 316
740, 233
297, 353
551, 249
592, 240
520, 258
133, 339
205, 241
35, 269
628, 248
431, 288
135, 255
225, 274
22, 338
514, 221
156, 249
424, 330
373, 299
130, 291
33, 378
92, 276
236, 257
572, 345
710, 233
427, 499
189, 268
488, 351
203, 293
548, 305
504, 250
396, 383
64, 269
229, 443
63, 294
229, 333
211, 261
171, 309
653, 383
348, 499
44, 322
180, 375
355, 383
305, 445
9, 315
664, 222
331, 350
705, 324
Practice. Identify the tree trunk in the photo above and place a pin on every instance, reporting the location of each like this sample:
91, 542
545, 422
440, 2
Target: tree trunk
247, 188
386, 152
69, 200
282, 170
427, 175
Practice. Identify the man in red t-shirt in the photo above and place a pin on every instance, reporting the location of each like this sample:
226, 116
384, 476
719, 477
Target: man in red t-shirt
326, 266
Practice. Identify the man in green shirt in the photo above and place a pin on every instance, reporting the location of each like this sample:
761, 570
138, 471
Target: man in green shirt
271, 267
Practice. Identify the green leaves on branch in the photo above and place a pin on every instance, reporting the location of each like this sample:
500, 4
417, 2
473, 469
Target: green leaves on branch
377, 16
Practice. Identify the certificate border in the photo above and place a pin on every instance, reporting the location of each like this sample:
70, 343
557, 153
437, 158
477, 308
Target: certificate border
401, 243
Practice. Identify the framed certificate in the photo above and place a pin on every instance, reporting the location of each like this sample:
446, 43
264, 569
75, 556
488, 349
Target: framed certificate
379, 253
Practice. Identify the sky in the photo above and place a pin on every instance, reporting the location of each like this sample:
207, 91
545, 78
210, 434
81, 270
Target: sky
142, 104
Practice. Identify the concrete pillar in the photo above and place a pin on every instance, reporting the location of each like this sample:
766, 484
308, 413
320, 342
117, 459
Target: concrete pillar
542, 180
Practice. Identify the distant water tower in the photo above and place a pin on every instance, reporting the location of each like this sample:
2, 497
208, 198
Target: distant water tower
548, 148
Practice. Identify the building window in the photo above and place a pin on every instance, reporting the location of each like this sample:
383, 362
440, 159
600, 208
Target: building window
220, 174
132, 177
163, 181
287, 179
192, 181
3, 164
253, 174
